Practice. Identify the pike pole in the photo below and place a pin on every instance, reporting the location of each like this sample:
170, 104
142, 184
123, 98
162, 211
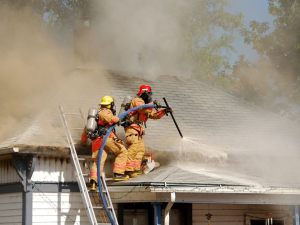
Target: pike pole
173, 118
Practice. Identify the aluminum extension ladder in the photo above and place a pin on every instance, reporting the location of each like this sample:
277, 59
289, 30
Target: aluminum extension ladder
97, 213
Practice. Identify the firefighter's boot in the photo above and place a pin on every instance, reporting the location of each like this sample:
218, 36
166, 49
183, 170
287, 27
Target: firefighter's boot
133, 174
93, 185
120, 177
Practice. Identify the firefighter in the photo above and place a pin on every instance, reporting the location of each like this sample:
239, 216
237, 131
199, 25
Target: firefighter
135, 130
107, 118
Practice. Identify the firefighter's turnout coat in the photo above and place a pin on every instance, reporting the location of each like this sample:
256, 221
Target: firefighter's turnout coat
113, 144
134, 133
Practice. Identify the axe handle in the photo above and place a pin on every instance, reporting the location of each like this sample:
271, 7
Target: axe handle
173, 118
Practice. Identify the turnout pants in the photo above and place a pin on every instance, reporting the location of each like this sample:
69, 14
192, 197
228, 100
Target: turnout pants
136, 149
115, 146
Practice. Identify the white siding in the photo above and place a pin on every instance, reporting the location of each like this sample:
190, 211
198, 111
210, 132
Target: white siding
46, 170
239, 214
8, 173
54, 170
58, 209
11, 209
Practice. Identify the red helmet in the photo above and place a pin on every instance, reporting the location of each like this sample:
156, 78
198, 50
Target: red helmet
144, 88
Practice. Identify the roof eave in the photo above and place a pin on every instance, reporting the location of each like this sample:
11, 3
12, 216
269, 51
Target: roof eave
47, 151
206, 194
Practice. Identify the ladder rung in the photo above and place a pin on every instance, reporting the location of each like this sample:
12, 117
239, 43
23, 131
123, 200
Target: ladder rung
83, 174
72, 114
85, 159
101, 207
104, 191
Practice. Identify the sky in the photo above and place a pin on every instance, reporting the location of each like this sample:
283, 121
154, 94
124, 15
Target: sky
252, 10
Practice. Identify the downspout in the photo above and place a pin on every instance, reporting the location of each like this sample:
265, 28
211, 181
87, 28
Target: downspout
296, 215
168, 208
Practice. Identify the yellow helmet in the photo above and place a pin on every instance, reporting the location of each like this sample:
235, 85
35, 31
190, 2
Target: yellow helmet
106, 100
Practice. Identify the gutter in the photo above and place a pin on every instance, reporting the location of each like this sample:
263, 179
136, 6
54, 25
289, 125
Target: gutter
203, 195
206, 188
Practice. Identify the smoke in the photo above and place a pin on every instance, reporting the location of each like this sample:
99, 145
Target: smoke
31, 65
138, 37
263, 84
142, 37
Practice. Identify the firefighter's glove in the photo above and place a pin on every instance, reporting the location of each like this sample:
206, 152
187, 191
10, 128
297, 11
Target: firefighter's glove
157, 105
117, 140
125, 123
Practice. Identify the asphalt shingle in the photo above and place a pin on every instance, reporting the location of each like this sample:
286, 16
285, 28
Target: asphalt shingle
222, 132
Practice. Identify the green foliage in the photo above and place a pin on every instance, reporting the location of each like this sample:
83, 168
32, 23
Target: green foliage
210, 31
59, 12
280, 44
273, 81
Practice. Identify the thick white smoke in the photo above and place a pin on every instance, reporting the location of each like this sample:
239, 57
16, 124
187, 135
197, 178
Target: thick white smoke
31, 65
143, 37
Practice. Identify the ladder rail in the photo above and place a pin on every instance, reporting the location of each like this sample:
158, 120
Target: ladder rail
104, 194
109, 199
79, 174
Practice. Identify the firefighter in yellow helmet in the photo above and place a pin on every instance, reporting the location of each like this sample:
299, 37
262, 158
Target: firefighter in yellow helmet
107, 118
134, 129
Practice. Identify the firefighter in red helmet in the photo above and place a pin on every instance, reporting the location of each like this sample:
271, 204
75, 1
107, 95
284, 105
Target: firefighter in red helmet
134, 128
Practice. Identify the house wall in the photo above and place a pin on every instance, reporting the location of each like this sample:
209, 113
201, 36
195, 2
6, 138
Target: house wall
46, 170
56, 197
58, 209
61, 170
8, 173
53, 170
64, 208
239, 214
11, 209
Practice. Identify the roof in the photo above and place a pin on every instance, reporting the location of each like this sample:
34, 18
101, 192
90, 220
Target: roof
226, 140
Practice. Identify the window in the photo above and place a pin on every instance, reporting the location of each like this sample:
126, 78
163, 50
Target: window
143, 214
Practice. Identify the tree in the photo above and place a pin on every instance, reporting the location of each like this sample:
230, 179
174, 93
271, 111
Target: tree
56, 12
210, 32
280, 42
